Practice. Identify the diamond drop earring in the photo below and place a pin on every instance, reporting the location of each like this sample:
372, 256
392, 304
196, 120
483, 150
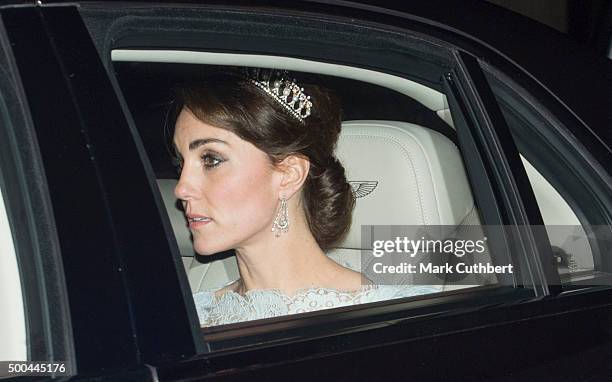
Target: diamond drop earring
281, 222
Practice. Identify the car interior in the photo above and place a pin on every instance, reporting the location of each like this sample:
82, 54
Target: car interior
397, 144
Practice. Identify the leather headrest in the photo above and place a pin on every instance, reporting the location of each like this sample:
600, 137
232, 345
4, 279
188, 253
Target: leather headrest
403, 174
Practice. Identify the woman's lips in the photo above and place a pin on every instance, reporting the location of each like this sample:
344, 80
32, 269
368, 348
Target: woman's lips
194, 221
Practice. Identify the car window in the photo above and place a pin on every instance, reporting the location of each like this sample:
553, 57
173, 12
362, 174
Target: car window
12, 319
568, 203
400, 154
403, 158
571, 248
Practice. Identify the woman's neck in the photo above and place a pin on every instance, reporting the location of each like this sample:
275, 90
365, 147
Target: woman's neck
289, 263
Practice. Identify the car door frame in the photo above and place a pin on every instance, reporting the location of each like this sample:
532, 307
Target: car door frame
114, 307
24, 187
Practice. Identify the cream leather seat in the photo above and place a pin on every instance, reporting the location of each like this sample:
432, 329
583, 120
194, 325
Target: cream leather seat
402, 174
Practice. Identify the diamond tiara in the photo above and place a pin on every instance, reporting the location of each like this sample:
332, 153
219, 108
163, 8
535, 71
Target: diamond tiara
284, 91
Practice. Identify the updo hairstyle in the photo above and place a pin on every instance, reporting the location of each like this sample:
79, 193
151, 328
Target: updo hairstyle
229, 101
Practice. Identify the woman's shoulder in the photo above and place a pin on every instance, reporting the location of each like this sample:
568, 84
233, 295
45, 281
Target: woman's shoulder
365, 290
232, 287
348, 279
215, 308
206, 299
226, 305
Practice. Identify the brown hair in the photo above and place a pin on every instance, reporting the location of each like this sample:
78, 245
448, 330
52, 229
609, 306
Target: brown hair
231, 102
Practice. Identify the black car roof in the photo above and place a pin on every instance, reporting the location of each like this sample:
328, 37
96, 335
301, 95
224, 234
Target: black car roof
575, 74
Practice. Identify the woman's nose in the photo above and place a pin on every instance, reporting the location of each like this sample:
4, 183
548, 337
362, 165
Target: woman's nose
185, 189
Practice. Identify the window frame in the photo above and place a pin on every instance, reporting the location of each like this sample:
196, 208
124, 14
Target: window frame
51, 46
586, 163
25, 192
256, 329
510, 181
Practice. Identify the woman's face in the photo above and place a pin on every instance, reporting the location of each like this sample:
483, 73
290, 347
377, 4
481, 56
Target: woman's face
228, 187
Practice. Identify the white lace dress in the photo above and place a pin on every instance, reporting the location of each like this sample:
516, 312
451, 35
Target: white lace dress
255, 304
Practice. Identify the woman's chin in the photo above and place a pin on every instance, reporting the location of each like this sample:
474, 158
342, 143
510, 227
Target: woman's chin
204, 252
207, 249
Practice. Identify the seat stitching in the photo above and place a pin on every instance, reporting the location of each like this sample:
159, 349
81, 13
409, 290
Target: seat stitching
412, 166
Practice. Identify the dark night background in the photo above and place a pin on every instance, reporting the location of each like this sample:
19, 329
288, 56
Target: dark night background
588, 22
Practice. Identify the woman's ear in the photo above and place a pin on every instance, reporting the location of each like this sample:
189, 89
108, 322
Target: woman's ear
294, 171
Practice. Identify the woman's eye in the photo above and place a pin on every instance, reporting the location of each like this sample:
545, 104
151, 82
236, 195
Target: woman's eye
211, 161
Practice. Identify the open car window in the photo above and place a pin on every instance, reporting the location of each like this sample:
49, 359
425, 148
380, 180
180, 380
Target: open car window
426, 176
399, 148
398, 145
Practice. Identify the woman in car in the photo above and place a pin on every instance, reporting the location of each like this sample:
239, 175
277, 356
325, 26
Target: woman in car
259, 175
